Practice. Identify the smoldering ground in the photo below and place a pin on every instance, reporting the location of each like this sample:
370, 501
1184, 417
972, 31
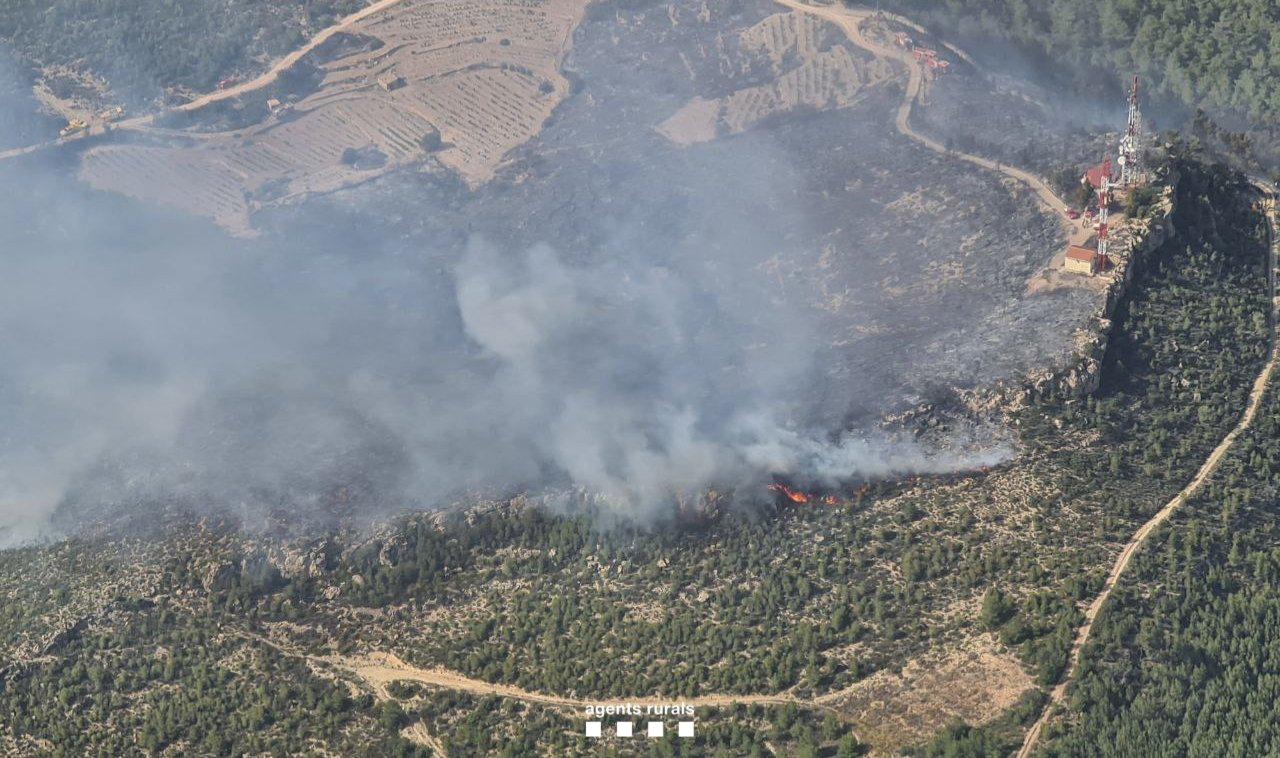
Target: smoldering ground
147, 359
612, 323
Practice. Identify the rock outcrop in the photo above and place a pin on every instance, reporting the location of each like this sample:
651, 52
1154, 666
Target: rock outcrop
1135, 246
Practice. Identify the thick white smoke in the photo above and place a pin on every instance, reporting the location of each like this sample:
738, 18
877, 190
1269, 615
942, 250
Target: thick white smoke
162, 368
603, 362
148, 360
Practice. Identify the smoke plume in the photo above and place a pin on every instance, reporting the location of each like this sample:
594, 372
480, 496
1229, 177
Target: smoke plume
148, 359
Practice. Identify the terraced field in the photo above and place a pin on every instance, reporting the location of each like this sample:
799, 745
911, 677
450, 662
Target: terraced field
462, 82
811, 69
672, 102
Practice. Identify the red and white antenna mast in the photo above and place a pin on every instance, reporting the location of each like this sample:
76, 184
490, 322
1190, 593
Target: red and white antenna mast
1104, 200
1130, 144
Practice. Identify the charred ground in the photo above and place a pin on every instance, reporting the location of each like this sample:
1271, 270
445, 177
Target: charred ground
870, 621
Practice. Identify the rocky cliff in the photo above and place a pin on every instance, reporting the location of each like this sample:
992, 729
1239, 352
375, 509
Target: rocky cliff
1134, 247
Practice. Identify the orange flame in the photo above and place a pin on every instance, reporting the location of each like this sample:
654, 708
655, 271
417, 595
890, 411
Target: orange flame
794, 496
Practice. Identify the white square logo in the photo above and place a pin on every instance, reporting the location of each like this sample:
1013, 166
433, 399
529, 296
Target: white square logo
624, 728
593, 728
655, 728
685, 729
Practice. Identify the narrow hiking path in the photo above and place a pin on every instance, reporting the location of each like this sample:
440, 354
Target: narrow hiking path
1260, 385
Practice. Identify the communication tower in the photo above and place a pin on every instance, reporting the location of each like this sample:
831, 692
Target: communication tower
1104, 201
1130, 158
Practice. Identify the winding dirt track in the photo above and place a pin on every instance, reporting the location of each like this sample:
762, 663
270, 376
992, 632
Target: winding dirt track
1206, 470
271, 74
378, 670
17, 151
266, 78
850, 21
284, 63
381, 669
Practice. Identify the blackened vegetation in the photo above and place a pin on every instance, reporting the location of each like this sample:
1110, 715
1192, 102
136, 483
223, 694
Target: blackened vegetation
21, 121
1189, 340
810, 599
364, 158
1018, 124
796, 601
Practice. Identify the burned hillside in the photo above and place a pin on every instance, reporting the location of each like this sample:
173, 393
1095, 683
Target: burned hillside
709, 256
883, 242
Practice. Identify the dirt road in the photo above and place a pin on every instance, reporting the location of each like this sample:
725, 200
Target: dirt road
377, 671
17, 151
381, 669
284, 63
272, 73
280, 65
850, 20
1210, 465
266, 78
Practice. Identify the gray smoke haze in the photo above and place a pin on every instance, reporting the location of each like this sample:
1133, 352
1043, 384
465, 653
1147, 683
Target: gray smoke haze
151, 359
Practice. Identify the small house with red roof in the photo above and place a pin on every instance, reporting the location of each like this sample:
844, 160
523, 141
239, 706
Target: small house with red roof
1093, 177
1082, 260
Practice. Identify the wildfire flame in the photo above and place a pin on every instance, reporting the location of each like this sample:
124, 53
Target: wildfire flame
794, 496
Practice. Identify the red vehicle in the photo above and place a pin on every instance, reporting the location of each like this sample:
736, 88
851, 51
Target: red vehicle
1073, 214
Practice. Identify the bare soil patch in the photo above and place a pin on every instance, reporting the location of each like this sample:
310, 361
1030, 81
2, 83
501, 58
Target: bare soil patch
974, 683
